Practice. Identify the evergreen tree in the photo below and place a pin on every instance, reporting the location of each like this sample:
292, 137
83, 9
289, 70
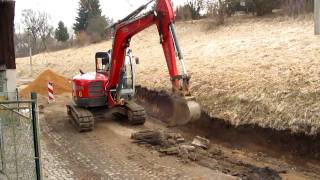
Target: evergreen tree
96, 28
61, 33
88, 9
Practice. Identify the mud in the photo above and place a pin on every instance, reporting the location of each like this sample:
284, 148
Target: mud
214, 159
298, 152
160, 102
295, 144
108, 152
256, 138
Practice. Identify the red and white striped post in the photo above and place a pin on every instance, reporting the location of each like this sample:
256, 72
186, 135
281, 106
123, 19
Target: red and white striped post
50, 92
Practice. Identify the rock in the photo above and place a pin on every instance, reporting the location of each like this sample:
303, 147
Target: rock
147, 136
188, 148
180, 140
201, 142
193, 156
170, 151
172, 141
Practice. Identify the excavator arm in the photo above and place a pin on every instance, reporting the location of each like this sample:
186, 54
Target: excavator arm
163, 17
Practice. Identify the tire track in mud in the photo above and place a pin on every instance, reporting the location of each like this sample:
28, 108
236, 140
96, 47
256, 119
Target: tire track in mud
103, 155
97, 156
106, 153
63, 157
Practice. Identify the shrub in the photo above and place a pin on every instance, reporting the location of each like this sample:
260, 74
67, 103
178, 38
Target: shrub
190, 10
82, 38
96, 28
296, 7
263, 7
217, 10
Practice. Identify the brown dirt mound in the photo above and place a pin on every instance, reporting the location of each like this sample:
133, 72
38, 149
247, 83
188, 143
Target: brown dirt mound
61, 84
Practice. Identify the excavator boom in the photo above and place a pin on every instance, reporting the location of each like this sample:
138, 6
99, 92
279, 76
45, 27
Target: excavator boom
113, 83
163, 17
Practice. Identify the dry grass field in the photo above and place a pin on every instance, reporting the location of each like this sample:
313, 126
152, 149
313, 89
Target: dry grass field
263, 71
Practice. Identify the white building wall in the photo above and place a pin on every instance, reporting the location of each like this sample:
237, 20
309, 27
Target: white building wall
11, 84
11, 80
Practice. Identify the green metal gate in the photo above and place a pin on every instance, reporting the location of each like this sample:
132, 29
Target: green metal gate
19, 142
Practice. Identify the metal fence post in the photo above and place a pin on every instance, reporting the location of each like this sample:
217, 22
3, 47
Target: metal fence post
35, 135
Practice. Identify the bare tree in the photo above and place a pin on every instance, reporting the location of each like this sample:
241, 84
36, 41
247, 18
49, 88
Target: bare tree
216, 9
21, 42
45, 29
37, 24
190, 10
30, 22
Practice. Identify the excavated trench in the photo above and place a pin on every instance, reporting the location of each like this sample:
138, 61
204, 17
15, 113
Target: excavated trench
294, 147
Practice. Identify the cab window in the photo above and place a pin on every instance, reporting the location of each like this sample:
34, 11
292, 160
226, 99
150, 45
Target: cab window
102, 65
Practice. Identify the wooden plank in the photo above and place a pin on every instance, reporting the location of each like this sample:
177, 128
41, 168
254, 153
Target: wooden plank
317, 17
7, 52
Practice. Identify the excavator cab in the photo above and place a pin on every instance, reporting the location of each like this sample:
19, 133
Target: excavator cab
126, 86
103, 62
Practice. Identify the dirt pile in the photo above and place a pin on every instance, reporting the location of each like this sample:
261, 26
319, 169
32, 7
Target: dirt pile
61, 84
174, 144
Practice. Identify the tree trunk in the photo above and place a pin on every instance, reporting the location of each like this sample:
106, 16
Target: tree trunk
44, 43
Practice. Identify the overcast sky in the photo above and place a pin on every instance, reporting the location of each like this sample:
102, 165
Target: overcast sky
66, 10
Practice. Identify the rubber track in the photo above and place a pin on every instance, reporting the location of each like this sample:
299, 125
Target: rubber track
136, 113
81, 118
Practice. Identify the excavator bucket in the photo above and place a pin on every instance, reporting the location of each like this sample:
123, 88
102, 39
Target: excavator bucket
184, 111
173, 110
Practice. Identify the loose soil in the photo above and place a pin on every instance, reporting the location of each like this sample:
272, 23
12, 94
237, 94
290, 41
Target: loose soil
262, 139
61, 84
109, 153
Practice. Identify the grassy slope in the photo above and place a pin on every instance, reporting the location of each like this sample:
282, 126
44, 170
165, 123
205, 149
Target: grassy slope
260, 71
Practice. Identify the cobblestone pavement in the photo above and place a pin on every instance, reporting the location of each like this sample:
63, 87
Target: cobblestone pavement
105, 153
108, 153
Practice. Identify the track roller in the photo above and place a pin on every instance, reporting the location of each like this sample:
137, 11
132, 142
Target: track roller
136, 113
81, 118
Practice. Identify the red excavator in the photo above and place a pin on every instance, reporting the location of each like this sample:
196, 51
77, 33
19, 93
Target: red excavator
112, 86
